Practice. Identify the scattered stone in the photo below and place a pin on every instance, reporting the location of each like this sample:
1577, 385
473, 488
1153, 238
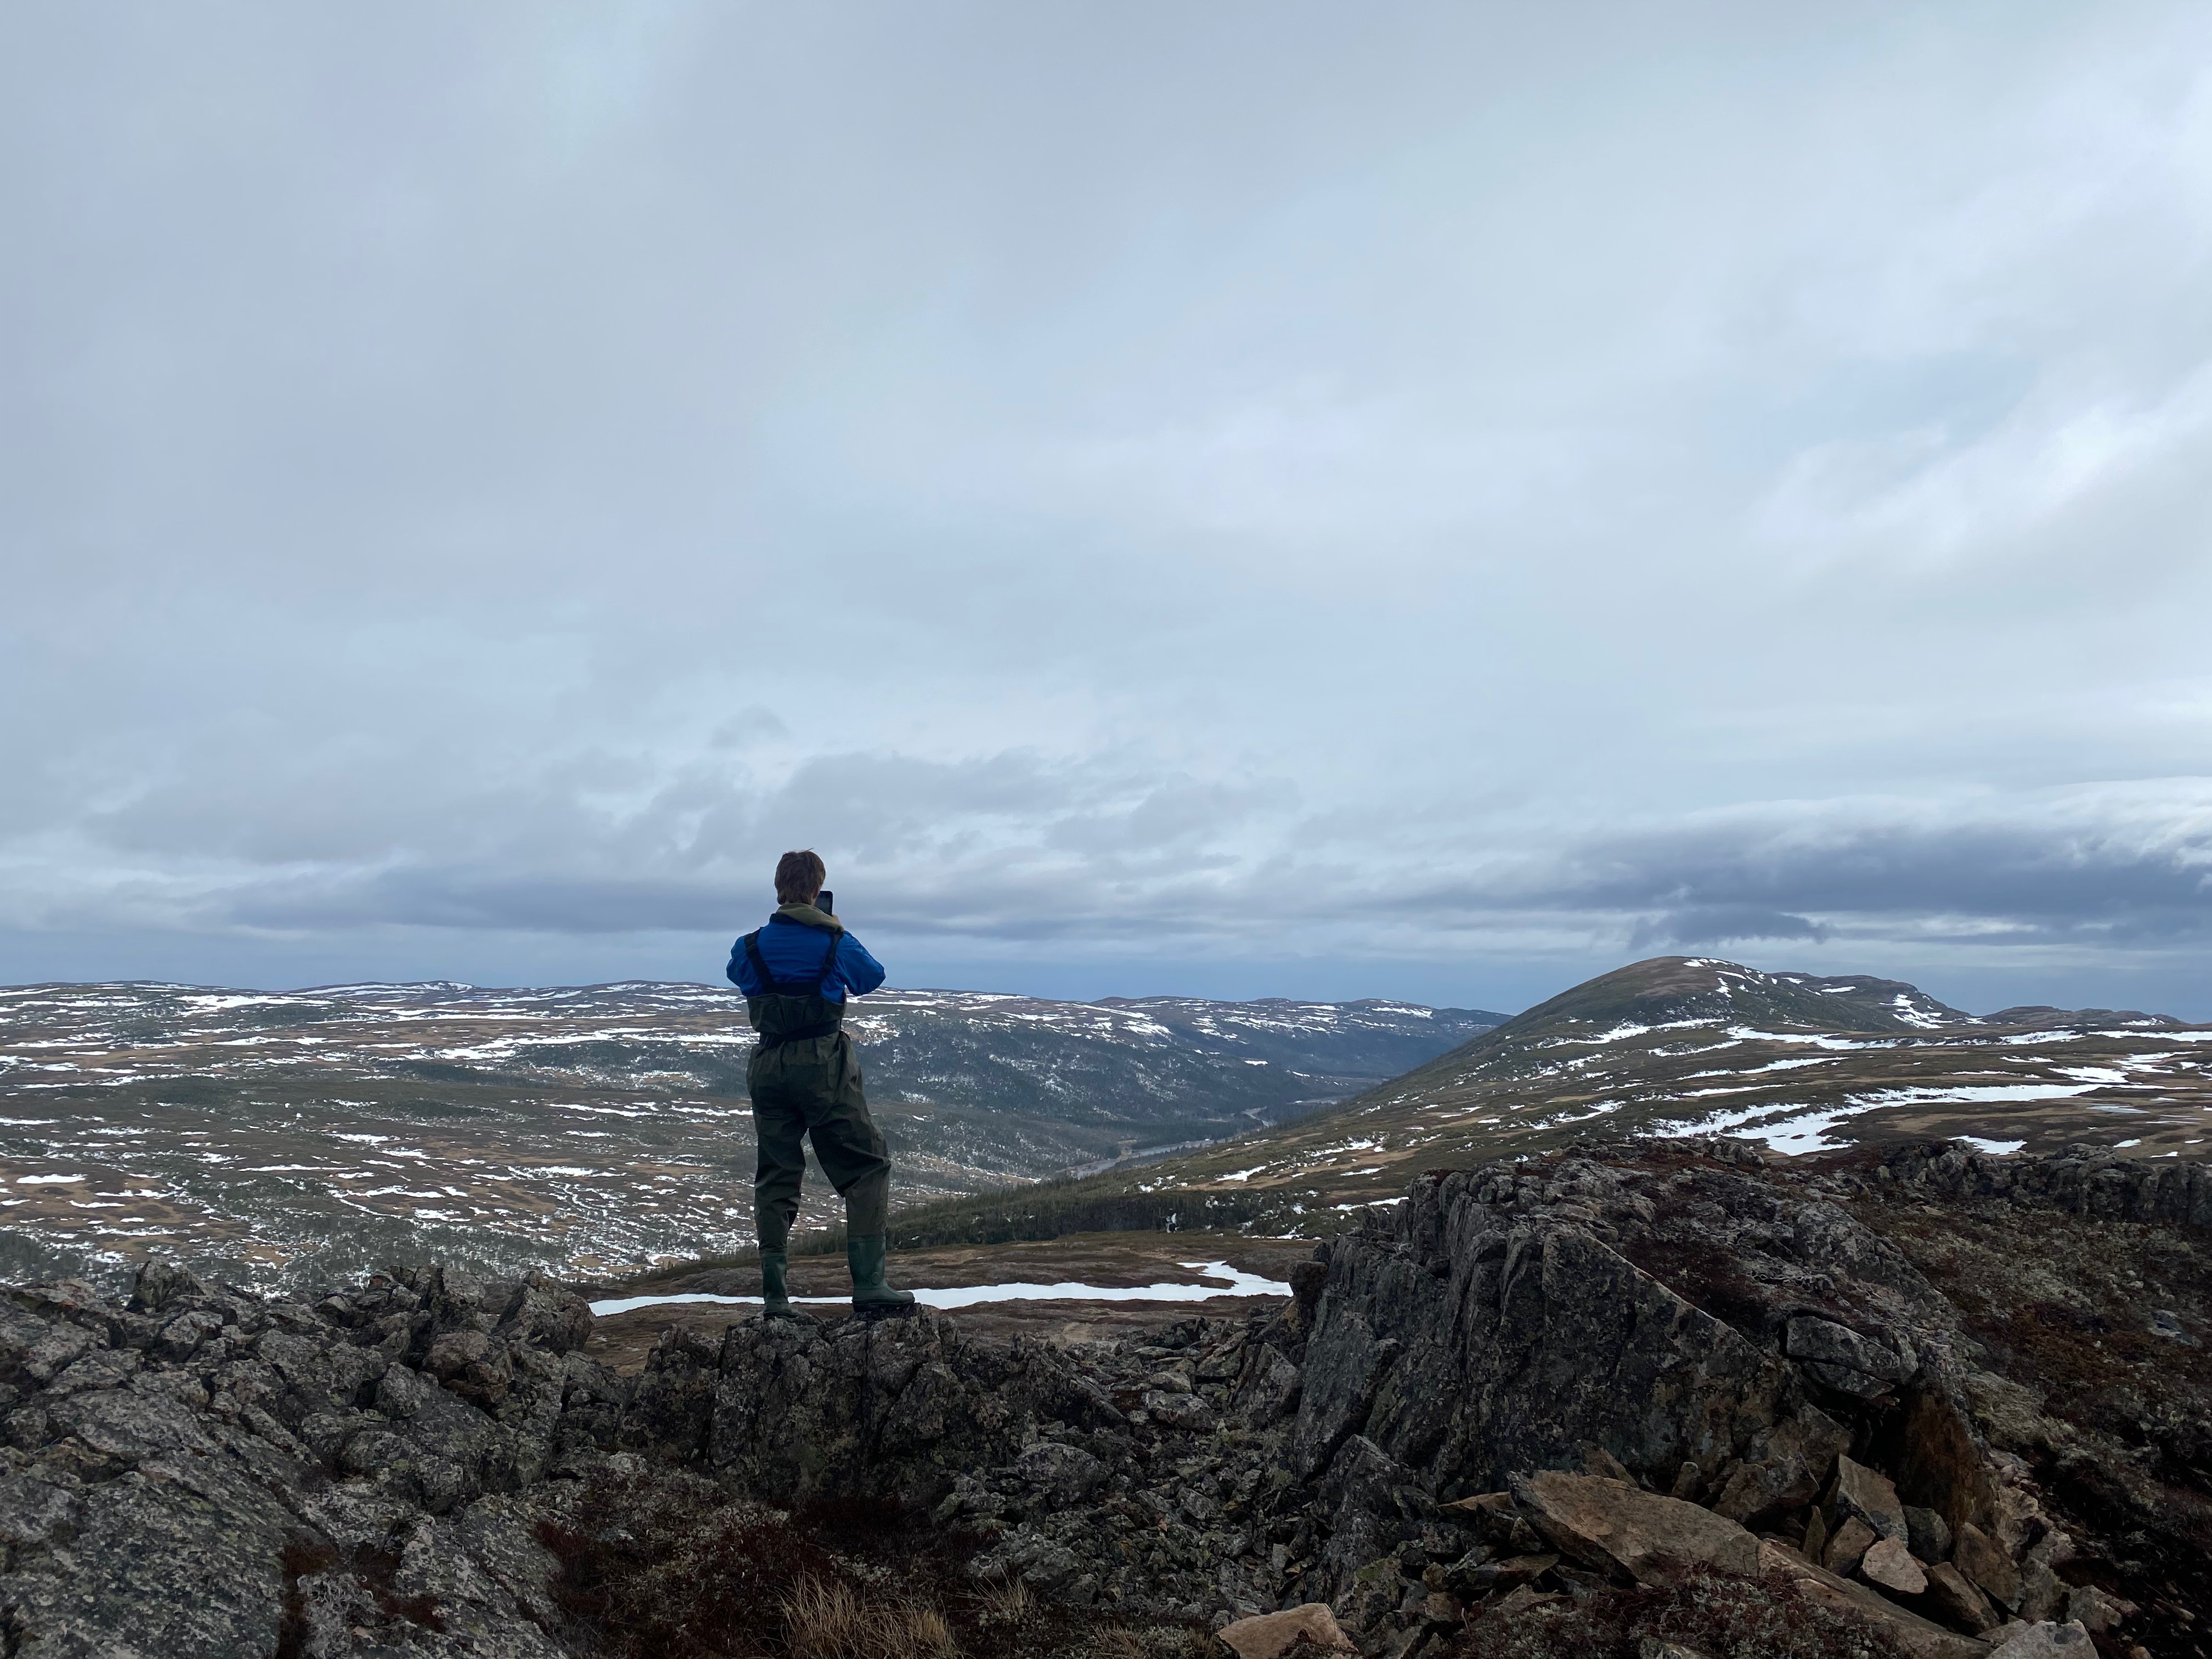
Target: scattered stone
1921, 1637
1652, 1648
1523, 1569
1489, 1503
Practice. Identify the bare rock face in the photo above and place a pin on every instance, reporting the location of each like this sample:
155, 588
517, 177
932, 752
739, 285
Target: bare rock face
896, 1408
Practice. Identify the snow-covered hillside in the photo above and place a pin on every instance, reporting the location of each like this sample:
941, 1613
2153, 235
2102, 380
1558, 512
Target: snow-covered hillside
593, 1129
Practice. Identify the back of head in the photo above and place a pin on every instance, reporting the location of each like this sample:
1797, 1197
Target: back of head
799, 878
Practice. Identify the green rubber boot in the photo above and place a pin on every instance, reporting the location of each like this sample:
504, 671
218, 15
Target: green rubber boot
864, 1256
776, 1296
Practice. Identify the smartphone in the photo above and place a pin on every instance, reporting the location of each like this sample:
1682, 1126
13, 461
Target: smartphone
825, 902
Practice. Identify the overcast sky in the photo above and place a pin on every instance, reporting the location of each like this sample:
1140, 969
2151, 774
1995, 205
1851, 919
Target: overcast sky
1247, 499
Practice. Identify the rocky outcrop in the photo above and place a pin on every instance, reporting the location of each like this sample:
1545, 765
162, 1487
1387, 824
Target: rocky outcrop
1533, 1387
2090, 1181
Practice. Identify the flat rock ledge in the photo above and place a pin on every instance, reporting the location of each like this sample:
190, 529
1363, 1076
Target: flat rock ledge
1532, 1387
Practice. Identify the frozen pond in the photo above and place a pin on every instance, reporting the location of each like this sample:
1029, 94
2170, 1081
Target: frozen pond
1234, 1283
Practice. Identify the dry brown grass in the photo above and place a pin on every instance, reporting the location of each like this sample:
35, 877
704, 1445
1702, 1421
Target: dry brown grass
824, 1619
1008, 1603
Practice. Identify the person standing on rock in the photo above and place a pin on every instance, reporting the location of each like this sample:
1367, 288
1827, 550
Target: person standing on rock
805, 1078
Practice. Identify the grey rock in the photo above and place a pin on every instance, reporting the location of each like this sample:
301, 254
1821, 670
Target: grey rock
400, 1392
1179, 1411
183, 1560
2047, 1640
182, 1337
883, 1408
160, 1284
102, 1368
471, 1363
33, 1350
131, 1425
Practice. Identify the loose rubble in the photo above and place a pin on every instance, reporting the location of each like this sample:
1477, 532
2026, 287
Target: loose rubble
1533, 1396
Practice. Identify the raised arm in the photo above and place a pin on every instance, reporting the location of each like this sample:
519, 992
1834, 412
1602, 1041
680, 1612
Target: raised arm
861, 972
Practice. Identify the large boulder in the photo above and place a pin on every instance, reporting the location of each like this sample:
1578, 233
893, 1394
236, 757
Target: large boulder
1615, 1527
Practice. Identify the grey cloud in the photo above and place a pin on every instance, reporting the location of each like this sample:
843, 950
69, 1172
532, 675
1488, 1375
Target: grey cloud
1723, 924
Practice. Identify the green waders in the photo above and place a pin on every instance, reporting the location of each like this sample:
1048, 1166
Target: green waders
806, 1084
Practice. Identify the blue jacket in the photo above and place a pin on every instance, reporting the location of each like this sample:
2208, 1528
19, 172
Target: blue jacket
794, 953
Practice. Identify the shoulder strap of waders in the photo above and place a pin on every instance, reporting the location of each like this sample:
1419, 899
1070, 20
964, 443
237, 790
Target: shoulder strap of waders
829, 965
760, 966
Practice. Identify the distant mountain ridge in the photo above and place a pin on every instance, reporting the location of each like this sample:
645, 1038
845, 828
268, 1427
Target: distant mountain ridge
1667, 991
1690, 1045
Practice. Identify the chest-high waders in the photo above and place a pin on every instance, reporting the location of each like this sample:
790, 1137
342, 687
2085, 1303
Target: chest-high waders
806, 1084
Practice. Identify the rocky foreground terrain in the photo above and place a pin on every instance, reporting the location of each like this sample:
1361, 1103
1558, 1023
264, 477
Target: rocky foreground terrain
1925, 1402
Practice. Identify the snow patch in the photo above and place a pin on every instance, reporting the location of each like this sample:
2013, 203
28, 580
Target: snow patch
1237, 1282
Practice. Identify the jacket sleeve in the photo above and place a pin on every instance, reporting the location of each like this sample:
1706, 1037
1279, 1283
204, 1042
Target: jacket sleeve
861, 972
741, 970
